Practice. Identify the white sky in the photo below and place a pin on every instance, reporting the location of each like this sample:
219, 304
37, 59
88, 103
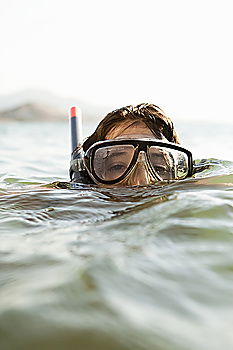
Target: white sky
174, 53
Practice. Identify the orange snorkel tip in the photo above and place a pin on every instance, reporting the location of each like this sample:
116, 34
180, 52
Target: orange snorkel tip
72, 112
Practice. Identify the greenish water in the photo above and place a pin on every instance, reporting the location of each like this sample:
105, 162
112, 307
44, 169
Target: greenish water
113, 269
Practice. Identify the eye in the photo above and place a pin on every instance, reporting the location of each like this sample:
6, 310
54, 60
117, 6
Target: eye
161, 169
116, 168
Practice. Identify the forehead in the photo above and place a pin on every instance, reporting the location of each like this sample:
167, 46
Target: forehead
130, 131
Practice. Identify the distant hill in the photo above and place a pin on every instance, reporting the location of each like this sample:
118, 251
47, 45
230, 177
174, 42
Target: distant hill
32, 112
35, 105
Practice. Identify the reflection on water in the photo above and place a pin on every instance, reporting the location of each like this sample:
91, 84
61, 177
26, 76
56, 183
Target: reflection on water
130, 268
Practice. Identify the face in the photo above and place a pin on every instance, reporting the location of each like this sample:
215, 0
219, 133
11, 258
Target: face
139, 175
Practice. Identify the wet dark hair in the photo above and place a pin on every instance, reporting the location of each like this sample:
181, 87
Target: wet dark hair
150, 114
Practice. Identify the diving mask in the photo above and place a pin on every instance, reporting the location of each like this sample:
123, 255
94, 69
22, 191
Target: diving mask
117, 161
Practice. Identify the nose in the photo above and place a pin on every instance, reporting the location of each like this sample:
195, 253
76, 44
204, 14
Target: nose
141, 174
140, 177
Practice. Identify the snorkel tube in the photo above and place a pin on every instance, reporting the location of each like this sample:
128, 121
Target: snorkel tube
78, 172
75, 127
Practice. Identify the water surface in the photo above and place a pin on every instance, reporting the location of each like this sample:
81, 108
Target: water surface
133, 268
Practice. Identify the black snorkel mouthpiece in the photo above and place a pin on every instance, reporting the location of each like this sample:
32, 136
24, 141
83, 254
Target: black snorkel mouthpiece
78, 172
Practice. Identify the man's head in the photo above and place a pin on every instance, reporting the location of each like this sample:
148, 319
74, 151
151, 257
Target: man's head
135, 148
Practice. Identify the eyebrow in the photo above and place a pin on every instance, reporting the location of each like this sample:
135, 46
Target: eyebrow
157, 155
111, 154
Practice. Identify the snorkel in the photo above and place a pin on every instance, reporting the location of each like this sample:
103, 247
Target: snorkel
78, 172
75, 127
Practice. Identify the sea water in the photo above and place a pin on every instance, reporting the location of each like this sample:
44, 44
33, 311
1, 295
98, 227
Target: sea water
140, 268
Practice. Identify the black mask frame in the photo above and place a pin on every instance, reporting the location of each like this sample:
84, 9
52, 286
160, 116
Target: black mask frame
139, 145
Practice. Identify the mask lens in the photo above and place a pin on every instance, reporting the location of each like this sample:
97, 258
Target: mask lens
169, 164
111, 162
